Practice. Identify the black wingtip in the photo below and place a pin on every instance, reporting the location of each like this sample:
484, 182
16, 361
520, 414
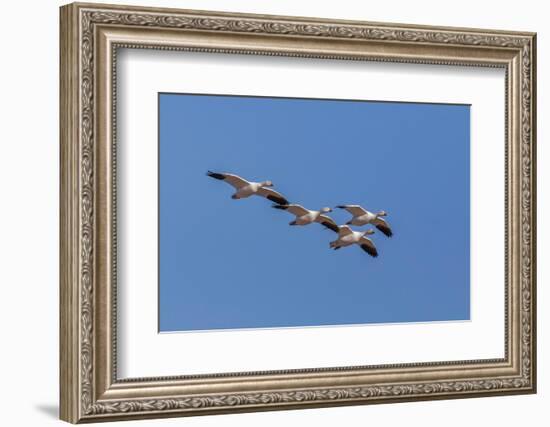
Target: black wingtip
215, 175
370, 250
330, 226
341, 207
283, 207
385, 230
278, 200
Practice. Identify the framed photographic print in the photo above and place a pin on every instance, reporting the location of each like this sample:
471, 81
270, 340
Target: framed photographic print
265, 212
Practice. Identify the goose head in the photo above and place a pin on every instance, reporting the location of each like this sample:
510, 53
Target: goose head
266, 184
326, 210
382, 213
370, 231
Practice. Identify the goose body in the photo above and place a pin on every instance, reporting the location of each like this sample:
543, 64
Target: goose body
348, 237
246, 188
361, 216
305, 216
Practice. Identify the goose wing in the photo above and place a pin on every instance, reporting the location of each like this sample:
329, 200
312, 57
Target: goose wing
383, 226
344, 230
355, 210
328, 222
234, 180
293, 209
367, 245
272, 195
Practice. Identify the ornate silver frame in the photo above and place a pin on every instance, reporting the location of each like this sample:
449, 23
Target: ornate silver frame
90, 35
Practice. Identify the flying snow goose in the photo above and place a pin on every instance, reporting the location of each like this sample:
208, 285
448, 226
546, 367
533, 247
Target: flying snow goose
246, 189
305, 216
347, 237
362, 216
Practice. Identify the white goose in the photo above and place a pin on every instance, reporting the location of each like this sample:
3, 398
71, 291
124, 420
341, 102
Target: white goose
347, 237
247, 188
305, 216
362, 216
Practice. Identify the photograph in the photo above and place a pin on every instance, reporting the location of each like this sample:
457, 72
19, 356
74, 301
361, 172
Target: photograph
257, 195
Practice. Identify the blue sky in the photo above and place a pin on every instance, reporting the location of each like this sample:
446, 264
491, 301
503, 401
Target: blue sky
227, 264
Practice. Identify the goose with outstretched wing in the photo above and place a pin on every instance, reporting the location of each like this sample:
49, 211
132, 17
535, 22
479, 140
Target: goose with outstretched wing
305, 216
246, 188
361, 216
348, 237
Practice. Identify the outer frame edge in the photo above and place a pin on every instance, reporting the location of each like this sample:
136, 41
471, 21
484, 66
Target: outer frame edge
68, 223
